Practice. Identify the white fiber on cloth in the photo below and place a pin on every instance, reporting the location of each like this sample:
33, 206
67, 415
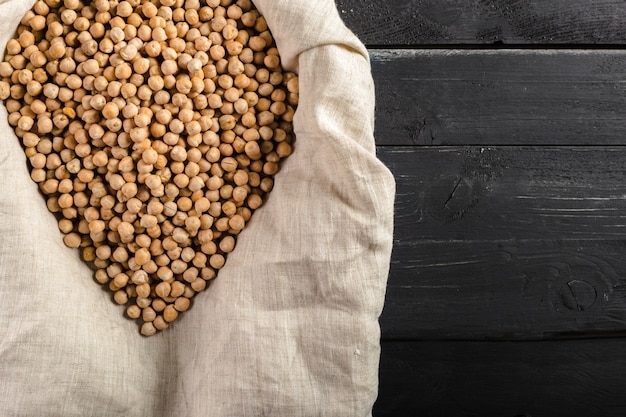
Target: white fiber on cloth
290, 325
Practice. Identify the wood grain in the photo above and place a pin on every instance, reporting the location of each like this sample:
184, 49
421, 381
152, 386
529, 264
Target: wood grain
504, 97
506, 290
507, 242
485, 22
504, 193
503, 379
503, 122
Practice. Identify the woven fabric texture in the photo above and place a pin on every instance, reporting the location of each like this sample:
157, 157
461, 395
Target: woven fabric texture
290, 325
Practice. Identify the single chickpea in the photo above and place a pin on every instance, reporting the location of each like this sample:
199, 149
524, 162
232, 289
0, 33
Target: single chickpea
147, 221
129, 52
148, 329
148, 314
123, 71
72, 240
134, 312
110, 111
124, 9
163, 289
170, 313
57, 50
126, 232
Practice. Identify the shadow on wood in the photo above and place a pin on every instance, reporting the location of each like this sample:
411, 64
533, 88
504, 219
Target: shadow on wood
503, 379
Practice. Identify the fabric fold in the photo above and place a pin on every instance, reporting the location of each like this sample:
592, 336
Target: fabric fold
290, 325
299, 299
305, 25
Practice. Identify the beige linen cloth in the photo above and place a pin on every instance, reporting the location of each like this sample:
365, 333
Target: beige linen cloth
290, 325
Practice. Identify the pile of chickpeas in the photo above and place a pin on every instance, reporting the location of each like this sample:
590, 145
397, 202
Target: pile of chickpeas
154, 129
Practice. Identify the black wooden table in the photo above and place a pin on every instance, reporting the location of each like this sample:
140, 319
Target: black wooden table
504, 123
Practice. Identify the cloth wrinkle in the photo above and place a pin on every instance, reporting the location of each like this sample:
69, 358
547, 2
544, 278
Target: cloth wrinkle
275, 334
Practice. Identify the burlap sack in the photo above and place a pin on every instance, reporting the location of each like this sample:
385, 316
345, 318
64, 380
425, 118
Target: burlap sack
289, 327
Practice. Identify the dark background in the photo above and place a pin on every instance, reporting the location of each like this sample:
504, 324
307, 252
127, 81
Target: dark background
503, 122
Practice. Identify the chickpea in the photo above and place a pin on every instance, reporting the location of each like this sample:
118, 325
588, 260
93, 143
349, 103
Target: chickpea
154, 131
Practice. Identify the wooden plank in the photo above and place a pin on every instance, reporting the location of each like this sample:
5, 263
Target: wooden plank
507, 242
503, 379
485, 22
506, 290
504, 193
503, 97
